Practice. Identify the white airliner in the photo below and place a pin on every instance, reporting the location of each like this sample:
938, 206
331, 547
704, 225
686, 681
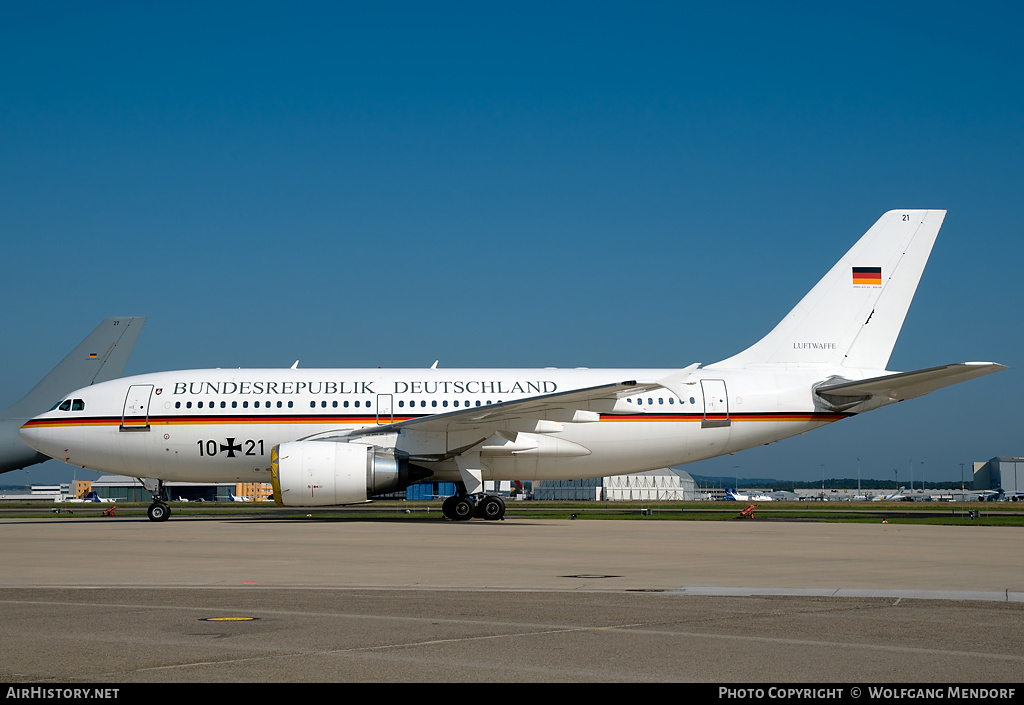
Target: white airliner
90, 497
894, 497
335, 436
735, 496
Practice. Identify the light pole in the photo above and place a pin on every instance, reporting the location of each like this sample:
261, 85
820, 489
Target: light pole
962, 489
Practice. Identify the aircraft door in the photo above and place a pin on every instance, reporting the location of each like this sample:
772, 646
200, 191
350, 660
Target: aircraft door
716, 404
136, 408
385, 414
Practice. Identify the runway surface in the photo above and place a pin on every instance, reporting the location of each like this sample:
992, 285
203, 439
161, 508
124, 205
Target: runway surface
127, 601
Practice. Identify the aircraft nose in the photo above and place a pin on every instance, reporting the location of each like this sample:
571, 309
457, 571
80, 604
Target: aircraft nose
29, 435
36, 435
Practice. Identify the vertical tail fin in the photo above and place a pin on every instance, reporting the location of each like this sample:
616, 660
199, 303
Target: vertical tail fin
853, 316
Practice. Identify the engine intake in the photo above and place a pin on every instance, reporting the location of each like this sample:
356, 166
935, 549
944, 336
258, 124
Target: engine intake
328, 473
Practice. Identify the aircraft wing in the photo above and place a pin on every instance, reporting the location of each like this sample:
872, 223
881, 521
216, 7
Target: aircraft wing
568, 406
907, 385
493, 415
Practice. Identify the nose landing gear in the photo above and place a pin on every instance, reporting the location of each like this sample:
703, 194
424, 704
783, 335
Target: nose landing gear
158, 510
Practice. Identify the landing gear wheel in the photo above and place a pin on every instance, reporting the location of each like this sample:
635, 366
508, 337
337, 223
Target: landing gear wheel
463, 509
446, 507
492, 508
158, 511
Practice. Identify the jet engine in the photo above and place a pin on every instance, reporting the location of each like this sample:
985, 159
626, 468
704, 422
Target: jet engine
328, 473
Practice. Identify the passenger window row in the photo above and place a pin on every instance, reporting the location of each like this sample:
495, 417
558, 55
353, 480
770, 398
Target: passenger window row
323, 404
444, 403
661, 400
234, 405
79, 405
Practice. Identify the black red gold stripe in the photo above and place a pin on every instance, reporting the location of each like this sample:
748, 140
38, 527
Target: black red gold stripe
368, 420
197, 420
739, 418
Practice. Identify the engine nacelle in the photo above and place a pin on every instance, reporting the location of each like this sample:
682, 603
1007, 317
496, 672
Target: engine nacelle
328, 473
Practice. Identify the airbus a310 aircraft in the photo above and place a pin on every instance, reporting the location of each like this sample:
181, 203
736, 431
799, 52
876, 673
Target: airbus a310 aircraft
331, 437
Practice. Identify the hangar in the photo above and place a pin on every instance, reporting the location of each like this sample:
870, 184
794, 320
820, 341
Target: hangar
666, 484
1006, 474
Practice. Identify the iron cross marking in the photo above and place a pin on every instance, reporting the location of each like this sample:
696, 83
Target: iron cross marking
231, 447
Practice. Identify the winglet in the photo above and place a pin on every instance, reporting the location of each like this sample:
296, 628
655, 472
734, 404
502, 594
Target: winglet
675, 382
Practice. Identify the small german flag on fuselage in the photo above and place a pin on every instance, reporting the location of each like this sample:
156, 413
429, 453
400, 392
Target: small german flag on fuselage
867, 276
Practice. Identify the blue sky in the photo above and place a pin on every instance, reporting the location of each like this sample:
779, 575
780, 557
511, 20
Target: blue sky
514, 184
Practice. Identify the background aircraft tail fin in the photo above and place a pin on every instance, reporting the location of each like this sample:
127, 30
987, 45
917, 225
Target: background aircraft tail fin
853, 316
100, 357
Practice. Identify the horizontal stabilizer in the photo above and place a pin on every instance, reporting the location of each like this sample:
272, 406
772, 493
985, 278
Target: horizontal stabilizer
904, 385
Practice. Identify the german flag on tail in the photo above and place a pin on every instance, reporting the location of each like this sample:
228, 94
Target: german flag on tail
867, 276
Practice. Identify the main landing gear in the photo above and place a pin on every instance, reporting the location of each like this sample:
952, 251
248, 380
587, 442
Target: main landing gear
465, 507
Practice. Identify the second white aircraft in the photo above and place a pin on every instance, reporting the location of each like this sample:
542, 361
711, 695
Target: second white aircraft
340, 436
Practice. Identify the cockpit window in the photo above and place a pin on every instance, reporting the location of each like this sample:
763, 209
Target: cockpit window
65, 405
78, 405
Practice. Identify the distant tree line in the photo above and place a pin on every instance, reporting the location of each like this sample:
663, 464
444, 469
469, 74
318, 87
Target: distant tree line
830, 483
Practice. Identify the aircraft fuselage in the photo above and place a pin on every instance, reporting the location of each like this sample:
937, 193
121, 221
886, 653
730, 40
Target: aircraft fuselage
220, 425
